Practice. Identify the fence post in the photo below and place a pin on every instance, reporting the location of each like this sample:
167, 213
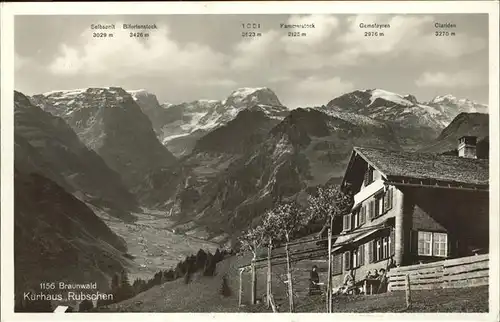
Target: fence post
241, 288
269, 276
254, 283
289, 277
329, 285
273, 305
408, 291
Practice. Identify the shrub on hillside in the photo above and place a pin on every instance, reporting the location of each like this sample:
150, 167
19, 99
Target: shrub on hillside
203, 262
187, 277
210, 265
225, 290
201, 258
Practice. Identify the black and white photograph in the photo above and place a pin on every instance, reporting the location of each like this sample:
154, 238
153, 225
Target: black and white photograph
218, 162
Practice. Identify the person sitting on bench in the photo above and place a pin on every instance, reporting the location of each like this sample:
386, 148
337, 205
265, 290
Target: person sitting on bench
314, 281
349, 283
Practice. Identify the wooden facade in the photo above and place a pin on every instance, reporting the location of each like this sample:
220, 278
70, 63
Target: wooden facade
402, 219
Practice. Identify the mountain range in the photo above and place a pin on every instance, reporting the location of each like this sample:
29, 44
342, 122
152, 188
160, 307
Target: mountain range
416, 124
238, 166
45, 144
179, 126
211, 166
57, 237
108, 121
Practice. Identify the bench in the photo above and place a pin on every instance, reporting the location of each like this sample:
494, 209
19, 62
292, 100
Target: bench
370, 286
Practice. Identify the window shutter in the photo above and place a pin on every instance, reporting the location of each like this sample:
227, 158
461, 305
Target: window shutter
392, 241
377, 206
372, 209
385, 205
337, 264
349, 221
362, 215
344, 218
370, 245
347, 260
449, 249
390, 195
361, 257
366, 176
414, 242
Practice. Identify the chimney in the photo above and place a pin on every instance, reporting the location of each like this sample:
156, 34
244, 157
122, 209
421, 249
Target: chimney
467, 147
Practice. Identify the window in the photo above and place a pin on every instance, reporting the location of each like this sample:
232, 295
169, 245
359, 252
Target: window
424, 243
357, 258
347, 261
440, 244
385, 247
387, 205
368, 176
378, 206
347, 222
378, 250
355, 218
392, 243
432, 244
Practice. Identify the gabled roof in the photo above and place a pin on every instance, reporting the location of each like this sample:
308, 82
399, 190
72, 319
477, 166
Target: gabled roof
430, 168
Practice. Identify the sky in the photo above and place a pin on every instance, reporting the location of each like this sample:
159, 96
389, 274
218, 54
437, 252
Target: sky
190, 57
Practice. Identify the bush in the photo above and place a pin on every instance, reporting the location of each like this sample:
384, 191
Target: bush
187, 277
225, 290
210, 265
201, 258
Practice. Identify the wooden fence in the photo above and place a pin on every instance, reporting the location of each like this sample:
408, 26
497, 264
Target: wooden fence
452, 273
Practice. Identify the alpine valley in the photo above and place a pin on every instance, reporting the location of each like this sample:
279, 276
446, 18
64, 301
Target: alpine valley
127, 167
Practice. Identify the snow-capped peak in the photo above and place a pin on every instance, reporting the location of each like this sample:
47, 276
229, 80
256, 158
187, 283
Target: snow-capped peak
439, 99
140, 93
67, 92
389, 96
246, 91
251, 95
461, 105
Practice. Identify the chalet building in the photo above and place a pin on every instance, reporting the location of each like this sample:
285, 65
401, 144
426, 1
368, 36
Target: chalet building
412, 207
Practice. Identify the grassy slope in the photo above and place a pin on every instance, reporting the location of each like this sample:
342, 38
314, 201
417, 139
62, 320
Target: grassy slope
202, 295
474, 299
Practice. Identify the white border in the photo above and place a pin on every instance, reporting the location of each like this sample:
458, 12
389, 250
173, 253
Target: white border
9, 10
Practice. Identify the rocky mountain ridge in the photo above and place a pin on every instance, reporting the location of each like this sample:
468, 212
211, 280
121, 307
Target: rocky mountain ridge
416, 124
108, 121
240, 155
465, 124
180, 125
46, 145
58, 238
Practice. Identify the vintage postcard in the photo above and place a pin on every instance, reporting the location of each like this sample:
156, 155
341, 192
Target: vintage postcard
279, 158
